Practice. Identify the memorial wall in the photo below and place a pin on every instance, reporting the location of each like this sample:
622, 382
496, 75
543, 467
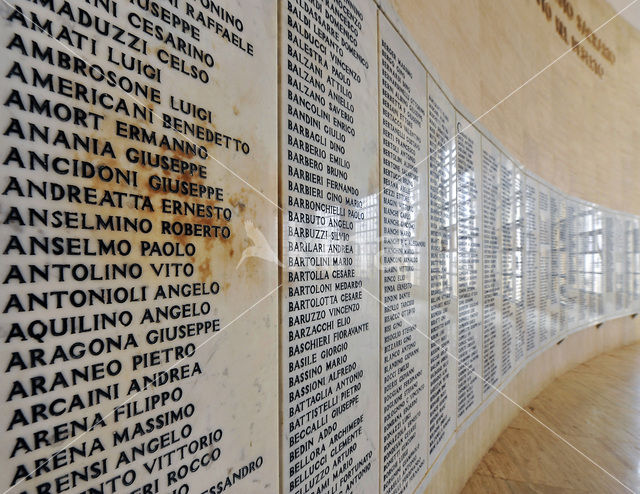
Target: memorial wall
139, 333
258, 246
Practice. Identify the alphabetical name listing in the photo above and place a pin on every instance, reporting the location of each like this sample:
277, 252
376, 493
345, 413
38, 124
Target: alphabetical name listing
507, 267
442, 276
330, 382
404, 366
469, 274
491, 264
531, 264
104, 209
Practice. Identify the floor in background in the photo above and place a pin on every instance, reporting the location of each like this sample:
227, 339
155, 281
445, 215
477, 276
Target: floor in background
596, 408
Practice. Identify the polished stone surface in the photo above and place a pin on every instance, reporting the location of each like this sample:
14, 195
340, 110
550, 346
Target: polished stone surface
443, 281
140, 345
491, 267
160, 333
594, 407
469, 185
330, 298
404, 346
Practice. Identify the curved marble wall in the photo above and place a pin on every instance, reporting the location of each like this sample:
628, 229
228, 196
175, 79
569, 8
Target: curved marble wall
556, 125
262, 248
513, 264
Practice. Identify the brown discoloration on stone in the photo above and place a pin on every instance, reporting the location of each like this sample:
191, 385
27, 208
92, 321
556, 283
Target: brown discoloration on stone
215, 257
182, 154
237, 203
205, 269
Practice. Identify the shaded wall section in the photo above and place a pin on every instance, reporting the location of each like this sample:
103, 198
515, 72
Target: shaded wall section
575, 128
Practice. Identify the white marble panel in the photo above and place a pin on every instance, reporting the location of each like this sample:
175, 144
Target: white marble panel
519, 281
404, 202
443, 286
632, 264
610, 258
592, 263
581, 302
141, 181
628, 256
599, 262
531, 264
571, 297
508, 266
558, 264
469, 167
636, 264
491, 267
330, 340
544, 261
584, 280
620, 285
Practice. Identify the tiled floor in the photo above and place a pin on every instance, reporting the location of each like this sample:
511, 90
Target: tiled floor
594, 407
